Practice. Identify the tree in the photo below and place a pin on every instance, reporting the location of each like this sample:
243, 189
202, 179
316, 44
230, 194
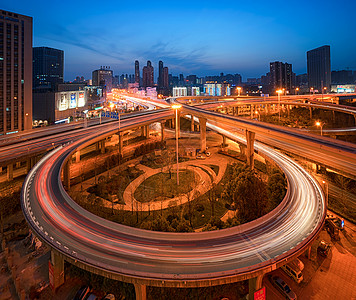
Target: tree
276, 188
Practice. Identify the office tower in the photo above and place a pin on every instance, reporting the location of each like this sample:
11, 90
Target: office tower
160, 75
165, 78
137, 72
147, 75
103, 77
15, 72
319, 68
281, 76
47, 67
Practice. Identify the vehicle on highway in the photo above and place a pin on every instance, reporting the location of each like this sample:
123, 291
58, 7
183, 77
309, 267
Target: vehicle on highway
293, 269
200, 156
323, 248
82, 293
282, 287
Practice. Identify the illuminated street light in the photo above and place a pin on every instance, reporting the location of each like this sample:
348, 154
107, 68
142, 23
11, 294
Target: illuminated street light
176, 107
326, 192
279, 92
259, 116
239, 90
322, 93
297, 90
321, 124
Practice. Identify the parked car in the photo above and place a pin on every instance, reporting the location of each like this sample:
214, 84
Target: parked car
283, 287
323, 248
294, 270
82, 293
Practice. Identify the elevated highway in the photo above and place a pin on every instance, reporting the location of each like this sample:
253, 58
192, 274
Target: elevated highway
168, 259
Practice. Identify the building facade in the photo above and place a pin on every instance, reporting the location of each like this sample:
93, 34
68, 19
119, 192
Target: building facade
103, 77
319, 68
48, 67
281, 76
15, 72
137, 72
147, 75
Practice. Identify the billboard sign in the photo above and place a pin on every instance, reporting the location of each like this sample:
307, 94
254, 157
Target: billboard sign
73, 101
260, 294
81, 101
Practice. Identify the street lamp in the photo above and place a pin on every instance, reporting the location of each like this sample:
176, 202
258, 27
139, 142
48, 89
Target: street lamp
279, 92
238, 90
321, 124
297, 90
327, 192
176, 107
259, 116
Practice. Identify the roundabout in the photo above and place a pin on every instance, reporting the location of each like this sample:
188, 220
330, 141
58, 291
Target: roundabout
172, 259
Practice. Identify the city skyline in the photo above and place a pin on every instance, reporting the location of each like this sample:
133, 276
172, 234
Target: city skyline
202, 38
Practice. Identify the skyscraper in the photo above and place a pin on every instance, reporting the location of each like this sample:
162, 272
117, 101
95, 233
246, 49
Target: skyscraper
15, 72
103, 77
147, 75
160, 75
281, 76
319, 68
47, 67
137, 72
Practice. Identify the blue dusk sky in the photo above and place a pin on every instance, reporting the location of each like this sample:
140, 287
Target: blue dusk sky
192, 37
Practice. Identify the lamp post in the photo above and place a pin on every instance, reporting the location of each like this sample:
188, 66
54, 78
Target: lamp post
259, 116
238, 90
321, 124
326, 188
176, 107
297, 90
279, 92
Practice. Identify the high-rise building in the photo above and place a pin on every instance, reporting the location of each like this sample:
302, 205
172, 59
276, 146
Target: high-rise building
47, 67
319, 68
147, 75
160, 75
137, 72
103, 77
15, 72
281, 76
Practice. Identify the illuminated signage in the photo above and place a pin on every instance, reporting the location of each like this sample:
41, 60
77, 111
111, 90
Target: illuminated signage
73, 101
81, 101
63, 103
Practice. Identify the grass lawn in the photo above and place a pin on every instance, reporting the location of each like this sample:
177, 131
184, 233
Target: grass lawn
164, 185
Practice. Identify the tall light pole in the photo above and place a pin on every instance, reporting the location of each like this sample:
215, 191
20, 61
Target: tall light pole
279, 92
321, 124
297, 90
327, 192
176, 107
238, 90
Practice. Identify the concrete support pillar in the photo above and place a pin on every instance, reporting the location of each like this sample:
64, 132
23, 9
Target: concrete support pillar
10, 172
242, 148
102, 146
250, 138
254, 284
77, 156
66, 174
121, 143
308, 252
140, 291
288, 110
191, 123
310, 113
202, 123
147, 131
163, 137
57, 271
224, 144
